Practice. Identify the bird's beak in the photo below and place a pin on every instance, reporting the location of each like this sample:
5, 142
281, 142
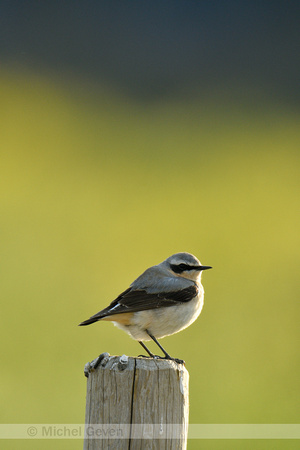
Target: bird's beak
200, 268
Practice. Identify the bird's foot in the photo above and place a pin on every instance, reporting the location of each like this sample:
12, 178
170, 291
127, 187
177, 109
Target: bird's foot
167, 358
152, 356
177, 360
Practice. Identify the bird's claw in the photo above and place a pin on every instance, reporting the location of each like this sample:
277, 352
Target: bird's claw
179, 361
167, 358
152, 356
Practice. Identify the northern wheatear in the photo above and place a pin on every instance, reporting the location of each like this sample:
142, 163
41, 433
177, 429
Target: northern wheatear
165, 299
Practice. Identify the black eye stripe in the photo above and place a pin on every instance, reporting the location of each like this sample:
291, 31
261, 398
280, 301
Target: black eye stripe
179, 268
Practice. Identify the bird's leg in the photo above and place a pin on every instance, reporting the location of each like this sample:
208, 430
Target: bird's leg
151, 355
147, 349
167, 356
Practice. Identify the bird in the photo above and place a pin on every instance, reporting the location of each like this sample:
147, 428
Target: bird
163, 300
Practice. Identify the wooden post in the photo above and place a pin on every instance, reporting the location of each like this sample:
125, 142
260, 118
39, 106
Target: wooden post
136, 403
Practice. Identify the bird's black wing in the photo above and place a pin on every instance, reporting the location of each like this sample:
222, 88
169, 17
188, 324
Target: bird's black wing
139, 300
133, 300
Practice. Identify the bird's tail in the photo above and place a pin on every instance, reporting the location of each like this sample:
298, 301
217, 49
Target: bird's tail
89, 321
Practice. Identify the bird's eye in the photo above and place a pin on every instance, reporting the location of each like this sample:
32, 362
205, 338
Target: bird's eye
179, 268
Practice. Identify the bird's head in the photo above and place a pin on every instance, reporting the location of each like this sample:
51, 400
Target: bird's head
185, 265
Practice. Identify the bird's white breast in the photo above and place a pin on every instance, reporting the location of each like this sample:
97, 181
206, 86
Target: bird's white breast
164, 321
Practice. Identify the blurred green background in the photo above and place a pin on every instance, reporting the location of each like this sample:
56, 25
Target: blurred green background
96, 186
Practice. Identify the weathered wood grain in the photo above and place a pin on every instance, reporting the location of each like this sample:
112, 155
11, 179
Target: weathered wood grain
138, 405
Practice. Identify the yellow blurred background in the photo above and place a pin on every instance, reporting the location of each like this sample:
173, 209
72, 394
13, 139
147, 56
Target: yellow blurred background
94, 189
